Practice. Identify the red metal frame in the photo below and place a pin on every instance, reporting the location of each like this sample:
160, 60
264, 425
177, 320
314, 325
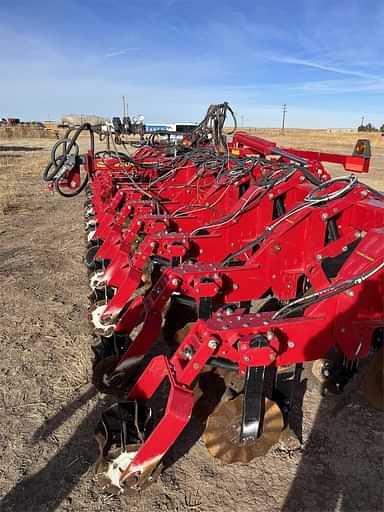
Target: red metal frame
231, 239
346, 320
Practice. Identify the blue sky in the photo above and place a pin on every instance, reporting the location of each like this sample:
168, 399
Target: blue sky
171, 58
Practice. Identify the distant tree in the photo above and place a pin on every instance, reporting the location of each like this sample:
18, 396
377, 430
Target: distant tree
368, 128
382, 128
371, 128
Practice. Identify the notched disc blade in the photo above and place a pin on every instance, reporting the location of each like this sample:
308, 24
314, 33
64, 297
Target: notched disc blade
222, 433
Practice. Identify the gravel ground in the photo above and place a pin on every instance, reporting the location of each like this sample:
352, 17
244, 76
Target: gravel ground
49, 408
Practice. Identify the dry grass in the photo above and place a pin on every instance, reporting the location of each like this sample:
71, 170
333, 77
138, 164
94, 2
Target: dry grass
17, 168
23, 132
9, 196
8, 200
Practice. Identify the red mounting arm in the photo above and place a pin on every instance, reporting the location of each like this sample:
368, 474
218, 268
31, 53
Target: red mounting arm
354, 163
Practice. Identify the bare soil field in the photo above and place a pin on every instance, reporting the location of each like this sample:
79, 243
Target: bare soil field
49, 408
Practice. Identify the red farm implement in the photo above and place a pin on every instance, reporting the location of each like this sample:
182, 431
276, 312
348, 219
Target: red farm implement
218, 271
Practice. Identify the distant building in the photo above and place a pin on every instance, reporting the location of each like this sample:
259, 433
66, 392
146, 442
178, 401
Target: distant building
77, 119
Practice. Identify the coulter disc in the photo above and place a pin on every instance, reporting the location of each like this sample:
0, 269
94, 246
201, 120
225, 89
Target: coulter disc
222, 433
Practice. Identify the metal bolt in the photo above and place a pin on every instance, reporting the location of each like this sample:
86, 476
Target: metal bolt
319, 257
188, 352
364, 193
270, 196
235, 286
272, 356
245, 324
270, 335
345, 248
175, 282
291, 344
246, 359
350, 293
342, 329
265, 322
196, 366
213, 344
324, 216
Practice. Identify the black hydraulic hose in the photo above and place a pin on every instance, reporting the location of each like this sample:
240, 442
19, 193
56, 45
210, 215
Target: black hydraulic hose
66, 151
73, 139
71, 193
50, 171
57, 162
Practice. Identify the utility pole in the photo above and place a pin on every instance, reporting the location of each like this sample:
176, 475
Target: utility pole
124, 111
362, 120
283, 120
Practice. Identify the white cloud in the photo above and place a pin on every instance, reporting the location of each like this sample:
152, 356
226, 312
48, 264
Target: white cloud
323, 67
121, 52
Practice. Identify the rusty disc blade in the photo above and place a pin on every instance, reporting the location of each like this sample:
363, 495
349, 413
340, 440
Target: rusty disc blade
373, 381
222, 433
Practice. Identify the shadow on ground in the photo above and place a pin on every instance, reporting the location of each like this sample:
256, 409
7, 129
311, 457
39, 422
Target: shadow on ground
45, 490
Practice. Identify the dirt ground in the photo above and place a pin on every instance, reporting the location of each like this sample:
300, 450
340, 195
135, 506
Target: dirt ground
49, 409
